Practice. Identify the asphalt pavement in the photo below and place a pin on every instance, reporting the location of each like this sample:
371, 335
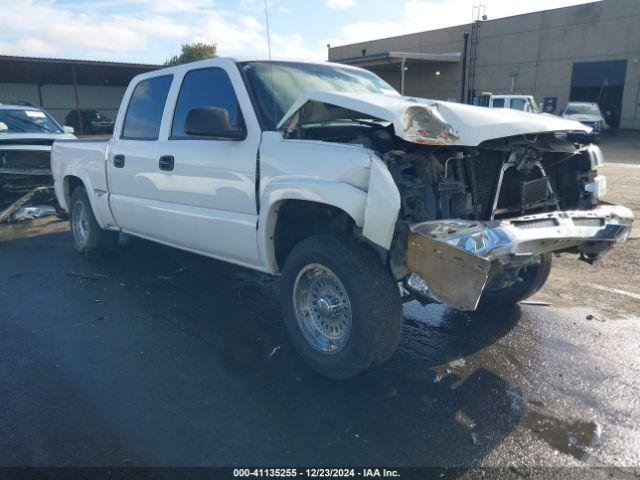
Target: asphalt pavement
153, 356
621, 146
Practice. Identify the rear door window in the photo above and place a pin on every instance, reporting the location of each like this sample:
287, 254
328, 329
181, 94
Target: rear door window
144, 113
498, 103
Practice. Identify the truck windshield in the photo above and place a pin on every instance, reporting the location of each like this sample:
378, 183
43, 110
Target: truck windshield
291, 79
582, 109
20, 120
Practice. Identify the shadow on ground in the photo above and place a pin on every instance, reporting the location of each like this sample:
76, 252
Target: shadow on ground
154, 356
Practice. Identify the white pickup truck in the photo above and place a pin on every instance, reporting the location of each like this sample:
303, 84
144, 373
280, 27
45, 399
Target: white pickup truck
358, 197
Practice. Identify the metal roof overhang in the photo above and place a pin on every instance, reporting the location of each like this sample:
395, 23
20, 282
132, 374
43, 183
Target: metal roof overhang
394, 61
390, 60
15, 69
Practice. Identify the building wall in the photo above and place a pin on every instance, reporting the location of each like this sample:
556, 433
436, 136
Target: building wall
11, 92
538, 49
59, 100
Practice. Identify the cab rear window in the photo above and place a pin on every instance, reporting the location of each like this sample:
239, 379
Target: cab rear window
144, 113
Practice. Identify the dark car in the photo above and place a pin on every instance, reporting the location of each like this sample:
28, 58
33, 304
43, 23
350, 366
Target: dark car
93, 122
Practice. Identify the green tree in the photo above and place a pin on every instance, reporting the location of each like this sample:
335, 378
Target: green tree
192, 52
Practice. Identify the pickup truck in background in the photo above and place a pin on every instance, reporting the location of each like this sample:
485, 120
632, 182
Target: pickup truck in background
589, 114
358, 197
524, 103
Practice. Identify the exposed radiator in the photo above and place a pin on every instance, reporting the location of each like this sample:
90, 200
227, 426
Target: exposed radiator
522, 189
486, 169
534, 192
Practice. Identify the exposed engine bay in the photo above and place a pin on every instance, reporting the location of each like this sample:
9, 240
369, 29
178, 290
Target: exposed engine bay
499, 179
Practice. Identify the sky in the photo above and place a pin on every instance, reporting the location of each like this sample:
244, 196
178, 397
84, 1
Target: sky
150, 31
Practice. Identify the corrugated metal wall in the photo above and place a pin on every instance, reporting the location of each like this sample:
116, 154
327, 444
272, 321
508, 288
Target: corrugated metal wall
19, 91
105, 99
59, 100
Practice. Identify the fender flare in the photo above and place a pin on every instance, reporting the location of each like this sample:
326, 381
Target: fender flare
343, 196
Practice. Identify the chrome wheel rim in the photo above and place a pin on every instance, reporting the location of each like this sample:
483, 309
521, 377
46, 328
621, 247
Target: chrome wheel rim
80, 224
322, 308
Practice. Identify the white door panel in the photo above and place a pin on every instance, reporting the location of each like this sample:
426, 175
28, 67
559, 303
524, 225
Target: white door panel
191, 228
133, 157
210, 197
134, 181
210, 173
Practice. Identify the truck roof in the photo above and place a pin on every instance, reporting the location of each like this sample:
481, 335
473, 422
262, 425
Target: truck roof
252, 58
237, 59
512, 95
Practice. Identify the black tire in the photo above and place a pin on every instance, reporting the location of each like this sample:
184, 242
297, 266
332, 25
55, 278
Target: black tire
97, 240
376, 307
533, 279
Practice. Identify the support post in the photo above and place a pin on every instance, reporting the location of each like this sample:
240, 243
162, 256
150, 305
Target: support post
403, 67
40, 96
463, 75
75, 91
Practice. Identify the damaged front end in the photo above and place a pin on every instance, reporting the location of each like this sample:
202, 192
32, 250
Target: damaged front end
25, 165
457, 259
484, 193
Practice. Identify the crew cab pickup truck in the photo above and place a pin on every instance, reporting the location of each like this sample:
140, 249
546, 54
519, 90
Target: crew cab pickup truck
358, 197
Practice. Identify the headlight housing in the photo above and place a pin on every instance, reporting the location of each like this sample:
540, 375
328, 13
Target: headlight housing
597, 187
595, 156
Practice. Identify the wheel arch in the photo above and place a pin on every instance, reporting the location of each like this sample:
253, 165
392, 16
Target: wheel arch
292, 206
73, 180
69, 184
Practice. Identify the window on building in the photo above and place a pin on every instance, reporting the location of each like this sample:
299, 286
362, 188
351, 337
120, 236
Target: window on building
206, 87
144, 113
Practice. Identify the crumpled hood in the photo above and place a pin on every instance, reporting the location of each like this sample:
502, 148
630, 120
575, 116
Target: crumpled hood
434, 122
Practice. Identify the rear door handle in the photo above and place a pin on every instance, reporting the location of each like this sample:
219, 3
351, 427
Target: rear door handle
118, 161
166, 163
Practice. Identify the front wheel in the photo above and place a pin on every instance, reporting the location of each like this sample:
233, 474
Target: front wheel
342, 308
532, 279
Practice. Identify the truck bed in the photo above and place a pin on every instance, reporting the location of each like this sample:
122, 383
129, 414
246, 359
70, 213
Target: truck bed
86, 157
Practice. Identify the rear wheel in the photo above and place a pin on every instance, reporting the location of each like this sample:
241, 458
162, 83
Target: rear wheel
532, 278
88, 237
341, 306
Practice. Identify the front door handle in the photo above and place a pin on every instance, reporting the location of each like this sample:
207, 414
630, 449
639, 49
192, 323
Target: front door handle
118, 161
166, 163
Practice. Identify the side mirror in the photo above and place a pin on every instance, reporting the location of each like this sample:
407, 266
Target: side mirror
212, 122
68, 129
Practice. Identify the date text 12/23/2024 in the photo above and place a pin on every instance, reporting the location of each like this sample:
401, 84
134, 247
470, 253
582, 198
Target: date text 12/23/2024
315, 473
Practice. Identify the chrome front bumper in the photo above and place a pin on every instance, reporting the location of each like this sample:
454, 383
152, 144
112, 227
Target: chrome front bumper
454, 257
